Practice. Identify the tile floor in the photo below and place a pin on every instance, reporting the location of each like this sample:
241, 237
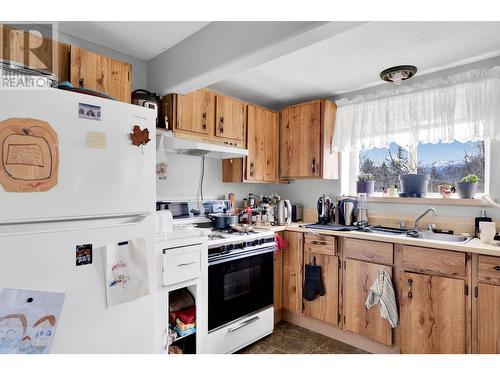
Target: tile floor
288, 338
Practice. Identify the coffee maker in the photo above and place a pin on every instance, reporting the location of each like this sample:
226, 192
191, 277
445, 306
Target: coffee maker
346, 211
325, 209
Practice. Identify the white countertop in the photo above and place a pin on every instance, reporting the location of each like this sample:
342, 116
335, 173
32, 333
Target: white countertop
472, 246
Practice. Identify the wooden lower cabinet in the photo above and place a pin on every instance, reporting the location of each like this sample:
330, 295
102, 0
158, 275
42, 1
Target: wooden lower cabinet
432, 314
488, 318
293, 272
278, 280
326, 307
358, 278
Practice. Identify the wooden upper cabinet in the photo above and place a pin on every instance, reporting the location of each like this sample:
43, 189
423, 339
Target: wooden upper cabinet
40, 53
306, 132
261, 164
196, 112
358, 278
230, 115
100, 73
432, 314
293, 262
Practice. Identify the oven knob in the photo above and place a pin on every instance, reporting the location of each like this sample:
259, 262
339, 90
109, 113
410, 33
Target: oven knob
243, 245
224, 249
261, 241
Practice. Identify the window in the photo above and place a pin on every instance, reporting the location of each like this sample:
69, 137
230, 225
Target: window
446, 163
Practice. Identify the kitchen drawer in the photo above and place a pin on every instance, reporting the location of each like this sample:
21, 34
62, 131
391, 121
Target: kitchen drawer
489, 269
241, 333
319, 243
444, 262
370, 251
180, 264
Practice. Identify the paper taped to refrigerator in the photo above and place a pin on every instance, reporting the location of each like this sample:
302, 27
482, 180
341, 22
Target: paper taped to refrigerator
126, 271
28, 320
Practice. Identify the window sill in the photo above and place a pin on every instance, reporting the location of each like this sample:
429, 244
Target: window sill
431, 200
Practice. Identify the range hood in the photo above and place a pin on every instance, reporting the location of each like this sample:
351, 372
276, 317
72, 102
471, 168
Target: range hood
166, 141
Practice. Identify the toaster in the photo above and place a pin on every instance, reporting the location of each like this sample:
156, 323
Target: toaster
297, 212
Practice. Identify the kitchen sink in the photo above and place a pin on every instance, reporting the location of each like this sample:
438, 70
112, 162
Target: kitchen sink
428, 235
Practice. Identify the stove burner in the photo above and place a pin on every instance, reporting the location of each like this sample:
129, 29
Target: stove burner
231, 231
215, 236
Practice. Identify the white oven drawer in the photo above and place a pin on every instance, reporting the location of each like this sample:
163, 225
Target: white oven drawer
241, 333
182, 263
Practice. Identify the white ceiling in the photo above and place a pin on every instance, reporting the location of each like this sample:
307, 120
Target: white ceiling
142, 40
353, 60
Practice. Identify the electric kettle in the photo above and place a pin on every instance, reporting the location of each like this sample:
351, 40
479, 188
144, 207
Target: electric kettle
284, 212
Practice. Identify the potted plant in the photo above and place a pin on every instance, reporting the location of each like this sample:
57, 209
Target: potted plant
413, 184
466, 188
366, 183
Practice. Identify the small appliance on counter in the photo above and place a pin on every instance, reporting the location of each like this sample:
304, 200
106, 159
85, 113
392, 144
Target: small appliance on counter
346, 210
147, 99
284, 212
326, 210
297, 212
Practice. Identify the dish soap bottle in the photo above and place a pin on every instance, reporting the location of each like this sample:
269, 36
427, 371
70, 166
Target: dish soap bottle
477, 220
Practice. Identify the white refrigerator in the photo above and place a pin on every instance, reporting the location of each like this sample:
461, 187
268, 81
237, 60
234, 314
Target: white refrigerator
105, 194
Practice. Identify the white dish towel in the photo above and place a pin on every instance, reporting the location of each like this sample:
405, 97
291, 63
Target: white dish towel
382, 292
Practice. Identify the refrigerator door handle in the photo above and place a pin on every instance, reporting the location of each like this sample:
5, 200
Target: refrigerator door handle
72, 223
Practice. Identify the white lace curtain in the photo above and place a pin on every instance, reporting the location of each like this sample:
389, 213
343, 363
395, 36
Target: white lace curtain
462, 107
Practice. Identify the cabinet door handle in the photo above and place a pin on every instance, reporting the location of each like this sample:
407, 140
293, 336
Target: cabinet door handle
319, 242
185, 264
313, 165
251, 169
204, 120
410, 283
81, 82
497, 268
221, 124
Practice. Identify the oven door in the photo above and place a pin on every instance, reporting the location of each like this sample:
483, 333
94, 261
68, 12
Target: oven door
239, 285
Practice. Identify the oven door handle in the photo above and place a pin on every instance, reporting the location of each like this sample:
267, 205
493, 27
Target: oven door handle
230, 258
244, 324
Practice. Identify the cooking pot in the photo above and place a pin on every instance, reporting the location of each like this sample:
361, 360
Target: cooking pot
223, 220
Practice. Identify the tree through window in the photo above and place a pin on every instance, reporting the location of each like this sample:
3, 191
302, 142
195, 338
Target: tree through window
446, 163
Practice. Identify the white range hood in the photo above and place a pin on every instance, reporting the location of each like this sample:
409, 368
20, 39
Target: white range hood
166, 141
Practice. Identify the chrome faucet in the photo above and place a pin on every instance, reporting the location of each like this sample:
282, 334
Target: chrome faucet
430, 209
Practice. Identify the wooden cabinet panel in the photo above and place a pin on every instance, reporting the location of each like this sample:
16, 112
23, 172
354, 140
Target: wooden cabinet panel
359, 277
489, 269
100, 73
261, 164
278, 280
432, 314
83, 68
320, 244
196, 112
326, 307
262, 145
113, 78
330, 165
488, 328
300, 141
371, 251
230, 119
426, 260
293, 272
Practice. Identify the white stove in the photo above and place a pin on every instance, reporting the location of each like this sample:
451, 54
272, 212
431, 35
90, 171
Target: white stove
240, 273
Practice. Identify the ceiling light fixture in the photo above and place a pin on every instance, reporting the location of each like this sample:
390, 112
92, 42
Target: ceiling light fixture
398, 74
